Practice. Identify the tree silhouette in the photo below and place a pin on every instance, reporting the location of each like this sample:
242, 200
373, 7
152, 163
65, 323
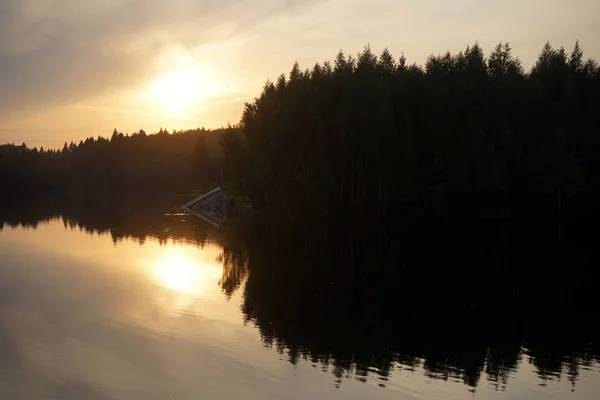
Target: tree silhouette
464, 135
133, 163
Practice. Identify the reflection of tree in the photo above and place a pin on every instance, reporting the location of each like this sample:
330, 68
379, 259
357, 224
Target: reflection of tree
457, 304
460, 309
235, 270
499, 364
122, 218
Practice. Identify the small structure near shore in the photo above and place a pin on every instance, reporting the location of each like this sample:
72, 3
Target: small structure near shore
211, 206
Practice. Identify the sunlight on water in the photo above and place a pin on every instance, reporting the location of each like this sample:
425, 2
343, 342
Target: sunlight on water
177, 272
188, 274
158, 316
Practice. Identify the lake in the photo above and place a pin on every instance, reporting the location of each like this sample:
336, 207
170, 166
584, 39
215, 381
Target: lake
150, 303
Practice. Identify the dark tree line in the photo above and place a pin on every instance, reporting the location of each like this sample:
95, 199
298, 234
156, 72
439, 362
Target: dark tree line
464, 134
139, 162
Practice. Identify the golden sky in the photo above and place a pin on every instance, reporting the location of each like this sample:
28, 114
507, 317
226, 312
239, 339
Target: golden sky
73, 69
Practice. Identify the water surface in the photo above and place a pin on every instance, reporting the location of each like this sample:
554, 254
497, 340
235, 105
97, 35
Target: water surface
160, 306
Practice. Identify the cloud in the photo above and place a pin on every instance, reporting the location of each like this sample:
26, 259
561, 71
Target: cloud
57, 52
61, 52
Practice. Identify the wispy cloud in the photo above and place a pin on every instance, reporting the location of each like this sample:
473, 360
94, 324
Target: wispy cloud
144, 114
60, 51
57, 52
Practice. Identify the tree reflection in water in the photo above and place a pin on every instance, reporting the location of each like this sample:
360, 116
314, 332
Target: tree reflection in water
455, 302
459, 303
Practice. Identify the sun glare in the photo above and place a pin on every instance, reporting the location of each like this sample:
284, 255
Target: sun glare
177, 89
178, 273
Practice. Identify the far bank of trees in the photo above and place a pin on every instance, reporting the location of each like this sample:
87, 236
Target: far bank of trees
140, 162
464, 134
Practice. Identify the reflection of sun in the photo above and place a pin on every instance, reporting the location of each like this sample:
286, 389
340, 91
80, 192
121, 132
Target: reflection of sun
185, 277
178, 273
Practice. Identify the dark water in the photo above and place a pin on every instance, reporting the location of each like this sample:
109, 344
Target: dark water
135, 302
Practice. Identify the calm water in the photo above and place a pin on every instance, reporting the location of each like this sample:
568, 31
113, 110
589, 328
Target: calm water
156, 305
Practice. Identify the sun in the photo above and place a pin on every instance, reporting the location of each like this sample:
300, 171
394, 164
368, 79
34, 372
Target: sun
177, 89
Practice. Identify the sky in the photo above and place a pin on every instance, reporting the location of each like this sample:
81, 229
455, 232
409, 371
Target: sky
74, 69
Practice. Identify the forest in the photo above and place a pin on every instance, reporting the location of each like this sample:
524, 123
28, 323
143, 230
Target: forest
463, 135
128, 164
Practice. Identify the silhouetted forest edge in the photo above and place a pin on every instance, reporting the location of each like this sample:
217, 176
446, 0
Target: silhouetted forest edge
371, 136
178, 162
